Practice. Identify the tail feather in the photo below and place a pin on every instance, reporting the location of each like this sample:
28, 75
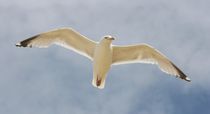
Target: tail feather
98, 83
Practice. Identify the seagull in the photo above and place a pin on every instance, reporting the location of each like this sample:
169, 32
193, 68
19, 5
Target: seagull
103, 54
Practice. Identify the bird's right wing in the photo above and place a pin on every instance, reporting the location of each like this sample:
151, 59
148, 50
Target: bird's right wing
145, 54
64, 37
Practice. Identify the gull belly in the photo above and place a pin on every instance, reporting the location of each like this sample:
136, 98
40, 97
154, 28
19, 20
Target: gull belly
102, 61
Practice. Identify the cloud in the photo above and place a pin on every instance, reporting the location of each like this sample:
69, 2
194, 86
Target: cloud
50, 80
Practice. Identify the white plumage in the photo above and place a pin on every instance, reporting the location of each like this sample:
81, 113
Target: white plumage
103, 53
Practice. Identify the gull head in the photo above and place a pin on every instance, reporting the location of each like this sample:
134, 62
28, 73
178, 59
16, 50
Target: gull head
108, 37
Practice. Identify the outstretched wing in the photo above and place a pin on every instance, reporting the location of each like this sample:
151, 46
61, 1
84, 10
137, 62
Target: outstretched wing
145, 54
64, 37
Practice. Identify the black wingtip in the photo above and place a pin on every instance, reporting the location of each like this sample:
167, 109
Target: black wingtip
181, 74
25, 43
18, 45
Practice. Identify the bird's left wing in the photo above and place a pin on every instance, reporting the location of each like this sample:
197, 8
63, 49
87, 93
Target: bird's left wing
65, 37
144, 53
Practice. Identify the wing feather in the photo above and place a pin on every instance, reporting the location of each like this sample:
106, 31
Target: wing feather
65, 37
144, 53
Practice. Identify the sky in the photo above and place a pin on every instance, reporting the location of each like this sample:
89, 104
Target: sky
58, 81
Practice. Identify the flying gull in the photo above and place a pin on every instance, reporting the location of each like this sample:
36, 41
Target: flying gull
103, 53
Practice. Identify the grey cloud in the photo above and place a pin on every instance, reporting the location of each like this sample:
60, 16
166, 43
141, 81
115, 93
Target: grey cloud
57, 81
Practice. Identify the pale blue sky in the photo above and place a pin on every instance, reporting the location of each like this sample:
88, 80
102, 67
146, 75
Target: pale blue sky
58, 81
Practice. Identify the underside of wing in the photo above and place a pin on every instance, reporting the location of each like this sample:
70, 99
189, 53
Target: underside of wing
144, 53
64, 37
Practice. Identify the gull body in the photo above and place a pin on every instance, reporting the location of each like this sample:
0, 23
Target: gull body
102, 61
103, 54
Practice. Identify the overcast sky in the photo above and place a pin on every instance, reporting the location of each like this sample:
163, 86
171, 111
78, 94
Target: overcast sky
58, 81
